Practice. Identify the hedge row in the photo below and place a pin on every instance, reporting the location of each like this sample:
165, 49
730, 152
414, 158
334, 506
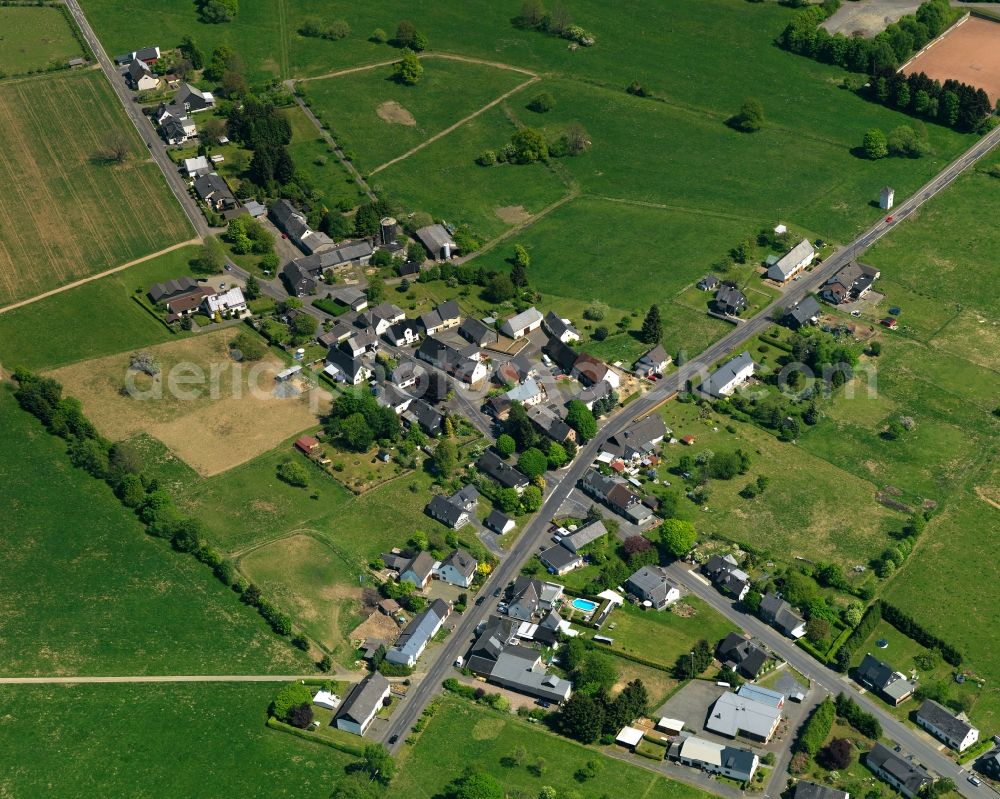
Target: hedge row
912, 629
634, 658
844, 655
817, 728
863, 722
275, 724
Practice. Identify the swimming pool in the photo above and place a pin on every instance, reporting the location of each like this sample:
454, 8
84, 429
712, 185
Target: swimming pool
585, 605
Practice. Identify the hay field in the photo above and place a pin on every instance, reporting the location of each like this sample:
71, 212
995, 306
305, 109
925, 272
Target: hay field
64, 213
213, 424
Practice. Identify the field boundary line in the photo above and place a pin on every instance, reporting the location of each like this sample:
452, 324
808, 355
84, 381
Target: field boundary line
455, 126
98, 276
666, 207
573, 194
446, 56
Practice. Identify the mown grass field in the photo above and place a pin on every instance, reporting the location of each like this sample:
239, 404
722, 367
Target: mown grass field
377, 118
74, 325
35, 38
488, 737
88, 592
143, 741
66, 214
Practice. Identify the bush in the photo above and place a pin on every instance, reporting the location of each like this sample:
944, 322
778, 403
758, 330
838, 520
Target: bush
295, 474
816, 729
542, 103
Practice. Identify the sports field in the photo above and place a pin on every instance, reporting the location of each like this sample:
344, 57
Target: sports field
34, 37
968, 52
212, 412
66, 213
86, 590
145, 741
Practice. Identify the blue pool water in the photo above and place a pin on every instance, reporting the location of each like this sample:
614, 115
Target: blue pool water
585, 605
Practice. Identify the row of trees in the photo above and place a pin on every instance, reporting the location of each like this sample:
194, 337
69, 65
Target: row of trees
121, 466
557, 22
953, 103
528, 145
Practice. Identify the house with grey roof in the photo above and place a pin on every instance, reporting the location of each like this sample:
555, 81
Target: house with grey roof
901, 773
459, 568
777, 612
497, 656
351, 296
550, 423
361, 704
424, 416
562, 355
443, 317
729, 376
851, 283
455, 511
213, 190
803, 314
402, 334
892, 686
525, 599
652, 362
418, 570
294, 223
944, 725
792, 262
499, 522
169, 289
505, 475
344, 367
476, 332
637, 440
417, 634
989, 764
587, 534
140, 77
733, 715
559, 328
651, 584
741, 655
438, 241
708, 283
528, 393
520, 325
810, 790
594, 393
560, 560
729, 761
730, 301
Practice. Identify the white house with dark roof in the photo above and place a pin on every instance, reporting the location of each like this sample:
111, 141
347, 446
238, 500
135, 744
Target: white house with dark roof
792, 262
459, 568
729, 376
778, 613
499, 522
901, 773
140, 76
520, 325
559, 328
560, 560
417, 634
730, 301
810, 790
652, 362
892, 686
944, 725
455, 511
361, 704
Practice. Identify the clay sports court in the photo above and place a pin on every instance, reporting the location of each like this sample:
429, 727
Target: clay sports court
968, 52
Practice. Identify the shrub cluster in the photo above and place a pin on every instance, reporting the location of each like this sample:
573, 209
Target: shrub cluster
865, 723
817, 728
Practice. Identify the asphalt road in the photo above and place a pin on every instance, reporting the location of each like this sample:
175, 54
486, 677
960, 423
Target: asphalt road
535, 532
157, 150
924, 749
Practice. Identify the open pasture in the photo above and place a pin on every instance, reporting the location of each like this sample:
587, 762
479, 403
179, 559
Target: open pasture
66, 213
86, 590
225, 415
34, 37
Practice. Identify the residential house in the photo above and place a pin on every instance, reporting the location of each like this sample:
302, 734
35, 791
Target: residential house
360, 342
177, 130
402, 334
651, 584
388, 396
525, 600
802, 314
417, 634
227, 304
989, 765
455, 511
465, 365
346, 368
520, 325
708, 283
561, 354
614, 493
528, 393
946, 726
728, 377
778, 613
594, 394
476, 332
849, 284
196, 167
730, 301
213, 190
729, 761
187, 100
551, 424
254, 208
499, 522
294, 223
652, 362
901, 773
425, 417
725, 574
810, 790
361, 704
792, 262
559, 560
585, 535
559, 328
147, 55
590, 371
381, 317
733, 714
741, 655
878, 676
459, 568
186, 304
302, 276
638, 440
417, 570
140, 77
498, 657
438, 242
505, 475
444, 317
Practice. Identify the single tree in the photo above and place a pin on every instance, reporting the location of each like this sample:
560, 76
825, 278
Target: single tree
505, 445
378, 763
750, 117
678, 536
409, 70
875, 144
532, 462
652, 326
445, 457
581, 419
521, 257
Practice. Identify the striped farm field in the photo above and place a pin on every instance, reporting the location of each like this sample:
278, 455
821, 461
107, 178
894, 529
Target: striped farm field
64, 212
